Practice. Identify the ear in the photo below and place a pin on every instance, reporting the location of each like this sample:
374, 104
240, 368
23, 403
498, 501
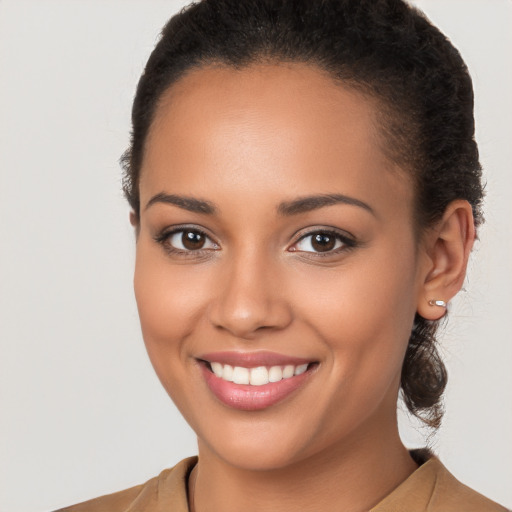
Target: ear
447, 247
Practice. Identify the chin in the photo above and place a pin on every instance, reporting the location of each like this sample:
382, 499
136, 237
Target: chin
262, 442
256, 456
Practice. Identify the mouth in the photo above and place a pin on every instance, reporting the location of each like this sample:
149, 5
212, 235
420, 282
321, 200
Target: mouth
253, 382
258, 376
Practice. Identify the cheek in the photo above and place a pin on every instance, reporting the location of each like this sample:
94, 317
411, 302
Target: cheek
170, 303
363, 313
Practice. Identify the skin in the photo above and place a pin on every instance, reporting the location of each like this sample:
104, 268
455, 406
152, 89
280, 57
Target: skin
246, 142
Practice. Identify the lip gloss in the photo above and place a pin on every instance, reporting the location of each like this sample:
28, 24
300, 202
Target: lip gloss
249, 397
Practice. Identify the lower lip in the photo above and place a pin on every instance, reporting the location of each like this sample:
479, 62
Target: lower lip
252, 398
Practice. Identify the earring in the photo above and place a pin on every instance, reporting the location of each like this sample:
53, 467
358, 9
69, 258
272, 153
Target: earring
437, 302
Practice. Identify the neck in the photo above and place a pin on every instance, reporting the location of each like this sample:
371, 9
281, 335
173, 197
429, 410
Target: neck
353, 477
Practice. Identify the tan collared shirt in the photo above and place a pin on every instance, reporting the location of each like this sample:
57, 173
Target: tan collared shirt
431, 488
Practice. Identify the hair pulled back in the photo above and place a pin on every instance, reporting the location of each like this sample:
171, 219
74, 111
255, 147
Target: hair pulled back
385, 48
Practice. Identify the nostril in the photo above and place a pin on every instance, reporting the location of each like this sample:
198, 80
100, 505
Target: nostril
245, 323
247, 304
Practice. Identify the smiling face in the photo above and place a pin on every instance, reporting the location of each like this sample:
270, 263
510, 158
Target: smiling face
274, 234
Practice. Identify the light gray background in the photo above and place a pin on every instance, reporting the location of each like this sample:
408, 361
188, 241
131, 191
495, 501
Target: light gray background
81, 412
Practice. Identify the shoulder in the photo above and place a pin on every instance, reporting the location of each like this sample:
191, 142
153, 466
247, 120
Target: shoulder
168, 489
450, 494
432, 488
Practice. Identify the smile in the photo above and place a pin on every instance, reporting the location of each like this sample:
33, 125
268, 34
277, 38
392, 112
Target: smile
258, 376
254, 381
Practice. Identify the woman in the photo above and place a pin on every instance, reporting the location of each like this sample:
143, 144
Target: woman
305, 188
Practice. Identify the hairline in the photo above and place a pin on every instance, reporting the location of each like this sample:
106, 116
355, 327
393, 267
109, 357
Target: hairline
386, 115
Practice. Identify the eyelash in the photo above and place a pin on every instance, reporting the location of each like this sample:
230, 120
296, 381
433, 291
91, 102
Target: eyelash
164, 237
347, 243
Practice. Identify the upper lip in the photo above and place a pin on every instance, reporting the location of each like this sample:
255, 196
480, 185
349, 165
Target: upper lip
253, 359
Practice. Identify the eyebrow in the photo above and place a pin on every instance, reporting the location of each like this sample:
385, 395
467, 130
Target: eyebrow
287, 208
309, 203
186, 203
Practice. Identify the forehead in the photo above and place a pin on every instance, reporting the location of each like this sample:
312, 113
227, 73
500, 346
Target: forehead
290, 126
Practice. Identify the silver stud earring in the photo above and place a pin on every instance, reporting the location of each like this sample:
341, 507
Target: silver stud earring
437, 302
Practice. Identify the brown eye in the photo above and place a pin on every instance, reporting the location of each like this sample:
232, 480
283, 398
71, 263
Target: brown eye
187, 240
192, 240
322, 242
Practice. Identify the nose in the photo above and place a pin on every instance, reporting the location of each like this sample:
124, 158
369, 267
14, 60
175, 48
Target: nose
251, 299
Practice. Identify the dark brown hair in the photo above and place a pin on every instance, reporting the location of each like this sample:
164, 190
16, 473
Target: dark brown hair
383, 47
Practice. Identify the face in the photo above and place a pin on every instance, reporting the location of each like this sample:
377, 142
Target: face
277, 271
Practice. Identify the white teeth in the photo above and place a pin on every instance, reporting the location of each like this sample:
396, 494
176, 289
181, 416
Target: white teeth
275, 374
227, 373
301, 369
258, 376
240, 375
217, 369
288, 371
